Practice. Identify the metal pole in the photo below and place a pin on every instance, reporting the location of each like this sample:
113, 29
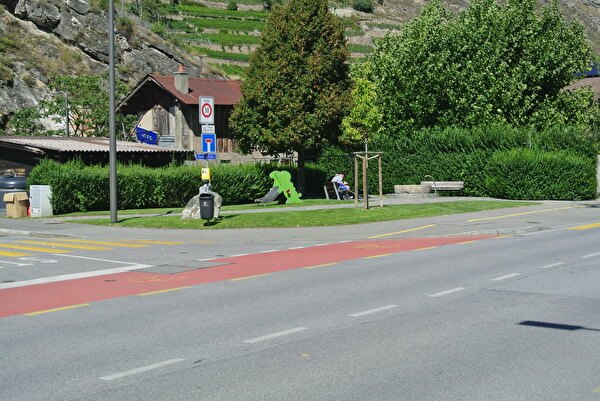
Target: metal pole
111, 113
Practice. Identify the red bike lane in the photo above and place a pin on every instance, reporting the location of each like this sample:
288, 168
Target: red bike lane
42, 297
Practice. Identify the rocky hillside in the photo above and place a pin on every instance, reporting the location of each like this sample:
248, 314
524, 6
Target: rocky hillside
40, 38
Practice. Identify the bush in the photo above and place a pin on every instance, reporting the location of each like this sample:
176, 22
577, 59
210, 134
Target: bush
76, 187
536, 174
452, 154
232, 6
366, 6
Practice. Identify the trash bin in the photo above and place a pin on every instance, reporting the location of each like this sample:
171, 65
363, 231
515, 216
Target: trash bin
207, 206
10, 184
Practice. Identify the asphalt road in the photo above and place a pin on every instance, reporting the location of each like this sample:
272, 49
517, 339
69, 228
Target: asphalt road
489, 317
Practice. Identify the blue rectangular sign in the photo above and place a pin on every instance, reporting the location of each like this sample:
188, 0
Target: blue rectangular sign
199, 156
209, 143
211, 156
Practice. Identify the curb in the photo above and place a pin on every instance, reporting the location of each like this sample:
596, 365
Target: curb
23, 233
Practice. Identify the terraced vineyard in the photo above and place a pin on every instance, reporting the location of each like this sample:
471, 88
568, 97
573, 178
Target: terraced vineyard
225, 38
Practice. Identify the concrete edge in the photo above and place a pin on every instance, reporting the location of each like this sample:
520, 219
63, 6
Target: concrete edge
23, 233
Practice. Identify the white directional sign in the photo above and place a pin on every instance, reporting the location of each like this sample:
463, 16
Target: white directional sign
207, 110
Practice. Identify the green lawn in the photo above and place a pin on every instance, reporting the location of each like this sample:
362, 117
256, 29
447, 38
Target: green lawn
313, 218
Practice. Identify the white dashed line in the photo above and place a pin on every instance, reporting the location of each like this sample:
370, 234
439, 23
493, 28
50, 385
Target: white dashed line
275, 335
591, 255
442, 293
142, 369
368, 312
239, 254
270, 250
298, 247
552, 265
506, 277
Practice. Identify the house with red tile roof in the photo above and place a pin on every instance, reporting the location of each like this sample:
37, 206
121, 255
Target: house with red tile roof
169, 106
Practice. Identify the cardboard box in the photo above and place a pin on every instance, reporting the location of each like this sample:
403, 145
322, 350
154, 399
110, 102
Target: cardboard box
16, 204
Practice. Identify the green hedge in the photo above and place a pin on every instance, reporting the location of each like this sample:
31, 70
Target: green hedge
455, 154
76, 187
515, 174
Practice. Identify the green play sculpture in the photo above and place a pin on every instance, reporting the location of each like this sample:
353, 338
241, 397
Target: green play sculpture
282, 179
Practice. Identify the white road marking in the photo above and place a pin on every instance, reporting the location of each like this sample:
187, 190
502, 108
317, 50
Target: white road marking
205, 259
367, 312
270, 250
88, 258
442, 293
275, 335
142, 369
298, 247
552, 265
591, 255
506, 277
73, 276
239, 254
15, 263
320, 244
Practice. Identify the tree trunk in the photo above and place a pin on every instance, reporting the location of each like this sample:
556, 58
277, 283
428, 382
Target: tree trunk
301, 178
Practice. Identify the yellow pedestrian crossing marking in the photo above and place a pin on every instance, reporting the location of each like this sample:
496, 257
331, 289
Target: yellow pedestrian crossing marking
13, 254
36, 249
101, 243
151, 241
89, 247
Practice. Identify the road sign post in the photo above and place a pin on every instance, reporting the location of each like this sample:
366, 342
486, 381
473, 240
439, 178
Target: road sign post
207, 110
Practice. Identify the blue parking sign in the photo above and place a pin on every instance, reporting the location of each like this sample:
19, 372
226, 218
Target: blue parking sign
209, 143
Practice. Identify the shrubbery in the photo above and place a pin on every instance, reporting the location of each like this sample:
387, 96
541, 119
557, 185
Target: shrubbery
366, 6
515, 174
456, 154
76, 187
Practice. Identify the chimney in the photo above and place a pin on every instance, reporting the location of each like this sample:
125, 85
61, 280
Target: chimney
182, 81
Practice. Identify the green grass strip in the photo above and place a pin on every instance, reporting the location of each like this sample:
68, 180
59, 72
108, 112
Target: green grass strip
199, 11
231, 70
314, 218
221, 55
226, 24
224, 39
355, 48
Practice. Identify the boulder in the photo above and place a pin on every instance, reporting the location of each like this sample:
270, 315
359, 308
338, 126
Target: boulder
192, 209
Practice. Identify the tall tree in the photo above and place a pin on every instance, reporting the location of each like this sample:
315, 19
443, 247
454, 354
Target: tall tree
492, 63
297, 86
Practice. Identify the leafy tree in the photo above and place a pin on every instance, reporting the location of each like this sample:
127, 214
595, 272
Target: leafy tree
492, 63
297, 87
88, 103
27, 122
364, 118
88, 107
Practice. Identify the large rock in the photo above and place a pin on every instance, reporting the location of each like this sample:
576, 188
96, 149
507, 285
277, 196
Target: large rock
41, 12
192, 209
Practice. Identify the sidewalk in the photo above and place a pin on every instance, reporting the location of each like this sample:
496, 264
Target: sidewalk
547, 214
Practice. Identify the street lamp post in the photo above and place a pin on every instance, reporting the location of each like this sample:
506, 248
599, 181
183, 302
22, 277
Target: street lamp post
66, 109
111, 114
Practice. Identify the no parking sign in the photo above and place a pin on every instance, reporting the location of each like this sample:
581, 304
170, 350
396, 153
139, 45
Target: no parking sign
207, 110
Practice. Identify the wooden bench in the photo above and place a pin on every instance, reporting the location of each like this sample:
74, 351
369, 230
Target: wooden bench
445, 185
332, 190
